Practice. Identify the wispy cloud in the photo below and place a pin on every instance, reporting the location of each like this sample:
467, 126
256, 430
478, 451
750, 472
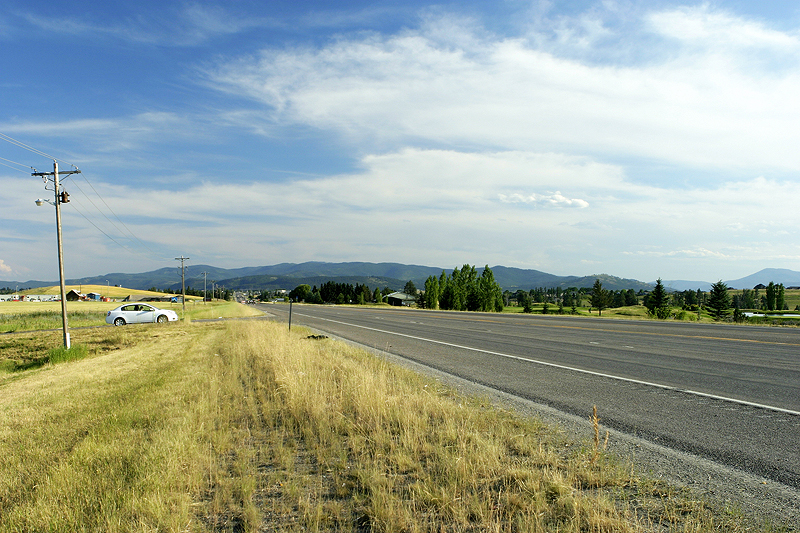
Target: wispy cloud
708, 28
700, 107
188, 25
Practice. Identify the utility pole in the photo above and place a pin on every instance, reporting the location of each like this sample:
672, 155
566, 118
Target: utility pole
61, 197
183, 283
205, 285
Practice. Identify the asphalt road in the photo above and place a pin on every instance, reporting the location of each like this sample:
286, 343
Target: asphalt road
727, 393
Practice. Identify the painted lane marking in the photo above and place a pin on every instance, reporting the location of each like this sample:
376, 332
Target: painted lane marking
570, 368
583, 328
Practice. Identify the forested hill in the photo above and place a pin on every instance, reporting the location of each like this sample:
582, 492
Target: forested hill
289, 275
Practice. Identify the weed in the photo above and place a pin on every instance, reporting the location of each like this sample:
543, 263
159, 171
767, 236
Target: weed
63, 355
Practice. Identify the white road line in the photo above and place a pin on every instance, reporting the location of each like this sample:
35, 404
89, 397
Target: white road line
573, 369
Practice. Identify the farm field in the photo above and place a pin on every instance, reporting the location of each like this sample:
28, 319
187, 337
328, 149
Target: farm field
33, 315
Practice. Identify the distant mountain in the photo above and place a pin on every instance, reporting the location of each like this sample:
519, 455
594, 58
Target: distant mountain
680, 285
392, 275
789, 278
289, 275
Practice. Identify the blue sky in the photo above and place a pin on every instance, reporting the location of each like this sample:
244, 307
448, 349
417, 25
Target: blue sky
639, 139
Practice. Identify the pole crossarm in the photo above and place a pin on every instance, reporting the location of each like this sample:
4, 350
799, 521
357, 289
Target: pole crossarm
60, 173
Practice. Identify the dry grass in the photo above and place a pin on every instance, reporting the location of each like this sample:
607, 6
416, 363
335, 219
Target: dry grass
30, 316
243, 426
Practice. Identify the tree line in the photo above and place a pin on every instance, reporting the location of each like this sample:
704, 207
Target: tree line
338, 293
466, 290
215, 293
463, 290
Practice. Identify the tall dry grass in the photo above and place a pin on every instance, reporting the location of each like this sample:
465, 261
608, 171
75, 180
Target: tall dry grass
244, 426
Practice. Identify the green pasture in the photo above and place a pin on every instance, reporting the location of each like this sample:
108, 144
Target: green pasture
31, 316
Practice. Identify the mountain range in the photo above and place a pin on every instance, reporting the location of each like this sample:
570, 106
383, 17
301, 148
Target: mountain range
392, 275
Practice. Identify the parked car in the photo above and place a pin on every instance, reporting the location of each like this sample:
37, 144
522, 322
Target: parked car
138, 313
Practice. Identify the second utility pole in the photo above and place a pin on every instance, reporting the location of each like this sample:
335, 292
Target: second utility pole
183, 284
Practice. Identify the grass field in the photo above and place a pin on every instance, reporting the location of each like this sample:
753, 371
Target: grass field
104, 290
30, 316
244, 426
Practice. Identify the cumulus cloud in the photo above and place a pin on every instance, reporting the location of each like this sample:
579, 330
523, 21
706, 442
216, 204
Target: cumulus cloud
552, 200
4, 268
700, 106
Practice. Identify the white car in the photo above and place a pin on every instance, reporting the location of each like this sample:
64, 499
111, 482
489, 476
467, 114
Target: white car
139, 313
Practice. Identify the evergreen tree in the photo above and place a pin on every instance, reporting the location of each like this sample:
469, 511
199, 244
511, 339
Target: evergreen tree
432, 293
658, 302
780, 297
410, 288
718, 300
490, 295
771, 296
527, 303
599, 297
630, 297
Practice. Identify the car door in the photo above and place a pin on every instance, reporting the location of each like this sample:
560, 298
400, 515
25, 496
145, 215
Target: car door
145, 313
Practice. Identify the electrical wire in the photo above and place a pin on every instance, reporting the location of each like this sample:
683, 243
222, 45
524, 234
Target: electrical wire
71, 178
101, 231
9, 166
12, 168
36, 151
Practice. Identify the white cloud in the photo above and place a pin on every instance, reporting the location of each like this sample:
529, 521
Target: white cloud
696, 253
552, 200
699, 107
190, 25
708, 28
4, 268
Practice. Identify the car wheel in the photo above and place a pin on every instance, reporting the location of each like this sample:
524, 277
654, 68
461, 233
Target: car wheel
161, 319
119, 321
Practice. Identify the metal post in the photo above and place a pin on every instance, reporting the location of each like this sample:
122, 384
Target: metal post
61, 258
290, 315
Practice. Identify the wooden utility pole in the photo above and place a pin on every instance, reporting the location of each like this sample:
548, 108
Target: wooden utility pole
183, 283
61, 197
205, 285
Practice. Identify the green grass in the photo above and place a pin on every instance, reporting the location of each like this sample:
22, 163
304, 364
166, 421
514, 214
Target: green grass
31, 316
243, 426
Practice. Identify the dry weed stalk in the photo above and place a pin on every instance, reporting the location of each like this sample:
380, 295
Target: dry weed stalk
596, 427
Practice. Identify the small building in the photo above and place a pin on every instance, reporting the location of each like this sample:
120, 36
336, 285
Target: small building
400, 299
75, 296
94, 296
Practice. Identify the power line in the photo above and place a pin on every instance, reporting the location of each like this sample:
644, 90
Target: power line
14, 168
101, 231
36, 151
113, 213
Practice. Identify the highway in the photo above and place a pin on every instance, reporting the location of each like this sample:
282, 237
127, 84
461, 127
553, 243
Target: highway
727, 393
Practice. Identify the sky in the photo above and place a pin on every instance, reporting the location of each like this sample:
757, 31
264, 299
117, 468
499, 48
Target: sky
642, 139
